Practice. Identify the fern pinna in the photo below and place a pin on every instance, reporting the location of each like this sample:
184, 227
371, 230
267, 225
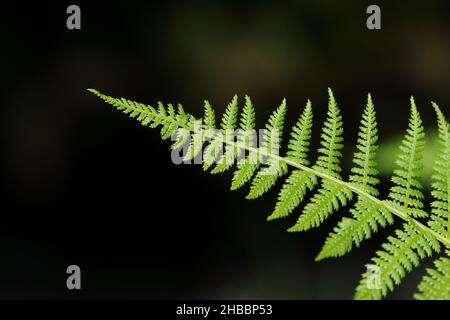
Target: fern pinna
422, 233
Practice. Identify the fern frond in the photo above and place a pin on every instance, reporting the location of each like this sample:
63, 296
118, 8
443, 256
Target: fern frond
196, 142
406, 194
440, 217
209, 118
181, 134
297, 184
436, 284
367, 216
364, 172
399, 255
402, 251
248, 165
197, 139
331, 196
366, 219
215, 149
298, 146
229, 122
266, 178
332, 140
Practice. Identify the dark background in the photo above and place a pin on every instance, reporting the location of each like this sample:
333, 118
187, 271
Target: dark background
83, 184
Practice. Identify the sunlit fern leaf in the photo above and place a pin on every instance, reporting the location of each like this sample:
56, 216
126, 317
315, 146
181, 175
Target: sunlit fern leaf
403, 250
400, 254
246, 134
366, 216
436, 284
297, 184
364, 172
198, 136
366, 220
440, 217
406, 194
196, 142
331, 196
160, 117
328, 199
181, 134
332, 140
209, 118
230, 117
298, 146
146, 114
247, 164
228, 129
215, 148
169, 126
273, 133
293, 192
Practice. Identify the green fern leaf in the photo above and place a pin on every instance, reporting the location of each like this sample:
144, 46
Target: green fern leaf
299, 182
181, 134
401, 253
331, 196
248, 165
214, 149
266, 177
332, 140
208, 123
144, 114
196, 142
228, 127
209, 118
367, 216
328, 199
364, 171
406, 194
298, 146
440, 217
436, 285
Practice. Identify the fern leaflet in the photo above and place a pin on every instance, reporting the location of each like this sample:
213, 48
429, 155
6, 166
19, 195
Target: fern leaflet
436, 285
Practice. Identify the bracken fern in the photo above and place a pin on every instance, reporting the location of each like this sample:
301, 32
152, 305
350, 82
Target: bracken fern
421, 235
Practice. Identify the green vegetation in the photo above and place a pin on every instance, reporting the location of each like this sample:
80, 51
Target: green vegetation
423, 234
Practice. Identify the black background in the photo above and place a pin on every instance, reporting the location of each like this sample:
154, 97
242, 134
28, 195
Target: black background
82, 184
